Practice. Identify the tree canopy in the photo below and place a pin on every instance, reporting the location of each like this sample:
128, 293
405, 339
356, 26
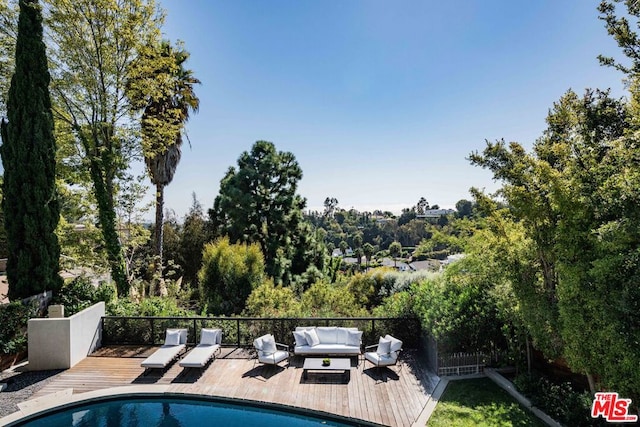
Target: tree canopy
258, 203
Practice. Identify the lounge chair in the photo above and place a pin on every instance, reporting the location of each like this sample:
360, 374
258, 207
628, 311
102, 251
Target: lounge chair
268, 352
174, 343
200, 355
386, 352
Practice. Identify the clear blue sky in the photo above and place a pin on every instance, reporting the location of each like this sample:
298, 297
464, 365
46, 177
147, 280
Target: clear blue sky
380, 101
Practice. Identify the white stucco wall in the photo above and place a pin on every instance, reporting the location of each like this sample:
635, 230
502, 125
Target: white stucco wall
61, 343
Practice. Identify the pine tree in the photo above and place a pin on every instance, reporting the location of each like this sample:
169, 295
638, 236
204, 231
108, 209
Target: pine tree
30, 203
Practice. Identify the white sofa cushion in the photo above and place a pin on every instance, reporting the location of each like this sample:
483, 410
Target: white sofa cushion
381, 359
257, 343
269, 344
354, 338
341, 335
312, 337
328, 349
396, 344
300, 338
172, 337
384, 346
327, 334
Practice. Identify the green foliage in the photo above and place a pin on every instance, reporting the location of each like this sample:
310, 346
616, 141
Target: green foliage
560, 401
229, 273
13, 334
479, 402
192, 240
92, 44
79, 293
329, 300
268, 300
151, 306
160, 86
258, 204
574, 264
30, 203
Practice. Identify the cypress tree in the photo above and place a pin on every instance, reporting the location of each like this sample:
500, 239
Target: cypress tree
30, 202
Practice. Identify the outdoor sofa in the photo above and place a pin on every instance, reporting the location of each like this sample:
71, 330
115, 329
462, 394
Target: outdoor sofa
327, 340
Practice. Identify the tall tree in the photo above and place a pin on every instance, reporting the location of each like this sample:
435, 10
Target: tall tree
577, 198
161, 86
93, 42
258, 203
30, 202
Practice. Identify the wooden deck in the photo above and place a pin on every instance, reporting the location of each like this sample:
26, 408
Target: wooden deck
393, 397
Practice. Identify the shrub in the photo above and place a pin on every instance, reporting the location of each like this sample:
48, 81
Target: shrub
558, 400
80, 293
13, 333
228, 275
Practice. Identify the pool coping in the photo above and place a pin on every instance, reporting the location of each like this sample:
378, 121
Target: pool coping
64, 399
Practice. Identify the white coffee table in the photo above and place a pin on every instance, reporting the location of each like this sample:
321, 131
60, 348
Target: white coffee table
341, 365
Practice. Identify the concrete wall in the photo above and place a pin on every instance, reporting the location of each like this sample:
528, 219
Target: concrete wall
61, 343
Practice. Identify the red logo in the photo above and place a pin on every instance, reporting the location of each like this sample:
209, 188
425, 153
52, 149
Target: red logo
612, 408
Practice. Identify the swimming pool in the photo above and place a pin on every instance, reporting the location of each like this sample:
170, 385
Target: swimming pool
146, 411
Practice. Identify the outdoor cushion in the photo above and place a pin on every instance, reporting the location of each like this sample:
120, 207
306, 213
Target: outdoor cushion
162, 356
384, 346
396, 344
312, 337
327, 334
209, 336
341, 335
381, 359
300, 338
269, 344
354, 338
199, 356
322, 349
257, 343
172, 337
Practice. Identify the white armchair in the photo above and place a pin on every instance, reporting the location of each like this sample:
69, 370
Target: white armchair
386, 352
269, 351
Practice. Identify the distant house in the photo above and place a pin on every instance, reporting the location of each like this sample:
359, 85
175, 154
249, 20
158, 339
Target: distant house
435, 213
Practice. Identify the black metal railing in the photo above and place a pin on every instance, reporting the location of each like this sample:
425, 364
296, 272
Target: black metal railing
241, 331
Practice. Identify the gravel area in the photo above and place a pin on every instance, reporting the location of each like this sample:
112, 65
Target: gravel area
21, 385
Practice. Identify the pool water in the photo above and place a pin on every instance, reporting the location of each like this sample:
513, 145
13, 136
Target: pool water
156, 412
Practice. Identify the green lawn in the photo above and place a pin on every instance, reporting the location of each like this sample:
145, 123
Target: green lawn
479, 402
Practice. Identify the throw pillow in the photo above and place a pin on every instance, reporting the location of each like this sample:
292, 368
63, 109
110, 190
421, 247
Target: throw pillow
300, 338
312, 337
172, 337
209, 336
354, 338
396, 344
384, 346
257, 343
269, 344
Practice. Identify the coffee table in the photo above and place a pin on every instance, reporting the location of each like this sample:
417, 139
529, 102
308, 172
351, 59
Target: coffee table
342, 365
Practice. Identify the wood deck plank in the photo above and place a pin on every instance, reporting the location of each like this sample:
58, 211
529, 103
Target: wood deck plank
393, 398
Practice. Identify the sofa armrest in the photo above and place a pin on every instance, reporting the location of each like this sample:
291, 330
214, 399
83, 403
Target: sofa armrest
370, 346
282, 346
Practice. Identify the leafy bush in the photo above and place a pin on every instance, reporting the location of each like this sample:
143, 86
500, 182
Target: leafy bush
558, 400
80, 293
13, 333
229, 273
268, 300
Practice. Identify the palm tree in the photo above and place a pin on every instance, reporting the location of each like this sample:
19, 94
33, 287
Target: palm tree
162, 88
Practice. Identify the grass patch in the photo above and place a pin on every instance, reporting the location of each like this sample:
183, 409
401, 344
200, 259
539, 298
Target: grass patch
479, 402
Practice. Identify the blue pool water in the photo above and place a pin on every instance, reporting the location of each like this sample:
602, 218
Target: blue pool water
161, 412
